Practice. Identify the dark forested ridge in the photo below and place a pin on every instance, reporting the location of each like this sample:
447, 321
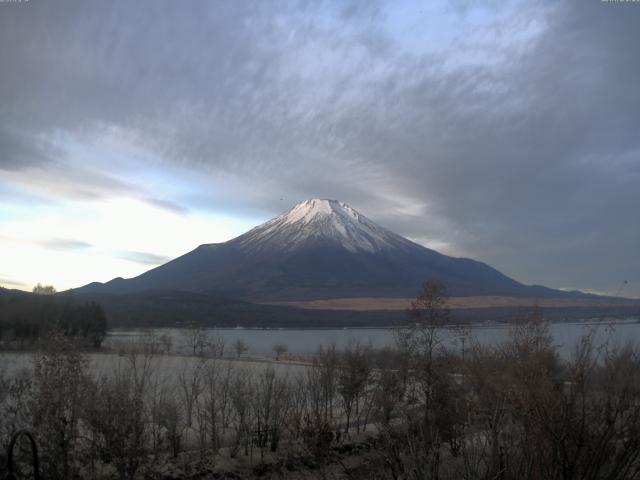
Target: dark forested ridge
170, 308
174, 308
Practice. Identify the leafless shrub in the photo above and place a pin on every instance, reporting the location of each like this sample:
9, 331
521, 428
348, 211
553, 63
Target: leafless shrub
240, 396
216, 345
240, 347
270, 405
215, 406
116, 419
166, 342
353, 379
279, 349
15, 393
190, 382
170, 419
59, 386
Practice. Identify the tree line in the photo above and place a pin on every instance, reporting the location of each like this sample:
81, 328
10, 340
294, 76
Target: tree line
28, 318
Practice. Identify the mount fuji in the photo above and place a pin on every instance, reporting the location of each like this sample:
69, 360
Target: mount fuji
320, 249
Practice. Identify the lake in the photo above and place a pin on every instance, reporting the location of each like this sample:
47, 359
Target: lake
306, 341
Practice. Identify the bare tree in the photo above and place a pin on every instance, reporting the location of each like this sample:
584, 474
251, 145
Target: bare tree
216, 345
416, 444
320, 430
240, 395
279, 349
240, 347
196, 338
190, 382
353, 377
427, 315
216, 403
298, 406
387, 395
170, 418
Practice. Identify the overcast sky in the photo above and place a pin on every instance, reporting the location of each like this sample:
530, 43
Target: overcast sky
505, 131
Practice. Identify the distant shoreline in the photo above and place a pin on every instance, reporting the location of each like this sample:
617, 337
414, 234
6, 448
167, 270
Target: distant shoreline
476, 325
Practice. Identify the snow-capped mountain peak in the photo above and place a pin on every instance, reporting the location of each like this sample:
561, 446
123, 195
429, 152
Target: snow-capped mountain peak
306, 211
324, 221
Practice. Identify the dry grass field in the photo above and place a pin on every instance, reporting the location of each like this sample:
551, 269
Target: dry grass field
386, 303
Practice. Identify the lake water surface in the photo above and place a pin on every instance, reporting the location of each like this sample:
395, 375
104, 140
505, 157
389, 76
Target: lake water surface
306, 341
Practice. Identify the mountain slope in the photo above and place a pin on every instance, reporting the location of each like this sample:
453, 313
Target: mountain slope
320, 249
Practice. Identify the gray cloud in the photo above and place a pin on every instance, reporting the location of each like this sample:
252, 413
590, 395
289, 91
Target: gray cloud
20, 149
167, 205
65, 244
144, 258
519, 149
9, 283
